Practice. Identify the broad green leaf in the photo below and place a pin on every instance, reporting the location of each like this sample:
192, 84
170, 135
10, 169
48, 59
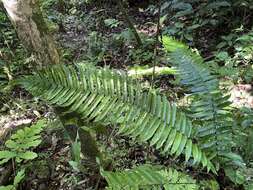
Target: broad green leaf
28, 155
5, 156
20, 175
9, 187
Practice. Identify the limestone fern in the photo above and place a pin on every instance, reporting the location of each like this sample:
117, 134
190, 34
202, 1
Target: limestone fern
111, 97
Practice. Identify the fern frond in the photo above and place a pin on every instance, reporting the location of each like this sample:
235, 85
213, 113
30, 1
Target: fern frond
208, 104
19, 143
110, 97
149, 177
26, 138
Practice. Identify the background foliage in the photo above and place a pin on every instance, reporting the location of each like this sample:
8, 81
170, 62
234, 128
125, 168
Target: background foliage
182, 121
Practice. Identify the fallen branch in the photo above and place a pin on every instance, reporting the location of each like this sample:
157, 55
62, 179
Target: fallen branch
140, 72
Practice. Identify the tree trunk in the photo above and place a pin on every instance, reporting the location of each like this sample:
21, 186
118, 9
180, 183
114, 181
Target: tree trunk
32, 30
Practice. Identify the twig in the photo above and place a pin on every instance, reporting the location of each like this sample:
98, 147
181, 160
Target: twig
97, 184
13, 166
129, 22
157, 43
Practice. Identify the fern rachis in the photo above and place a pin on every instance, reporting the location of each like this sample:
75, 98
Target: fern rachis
101, 95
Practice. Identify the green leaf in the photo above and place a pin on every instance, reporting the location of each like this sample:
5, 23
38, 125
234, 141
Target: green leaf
223, 55
188, 150
11, 144
210, 184
20, 175
9, 187
21, 141
149, 177
235, 158
172, 45
28, 155
235, 175
5, 156
76, 150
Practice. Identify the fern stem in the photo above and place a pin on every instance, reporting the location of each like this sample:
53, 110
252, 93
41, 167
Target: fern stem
13, 166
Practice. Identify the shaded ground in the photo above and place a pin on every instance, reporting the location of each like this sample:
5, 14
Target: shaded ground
52, 170
241, 95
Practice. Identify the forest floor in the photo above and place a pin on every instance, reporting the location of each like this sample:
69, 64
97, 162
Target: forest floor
83, 36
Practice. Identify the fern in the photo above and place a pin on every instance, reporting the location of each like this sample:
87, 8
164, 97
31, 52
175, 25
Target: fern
19, 144
209, 105
110, 97
149, 177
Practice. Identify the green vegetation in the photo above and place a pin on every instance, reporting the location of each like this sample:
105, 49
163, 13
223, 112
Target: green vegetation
147, 95
20, 175
149, 177
19, 144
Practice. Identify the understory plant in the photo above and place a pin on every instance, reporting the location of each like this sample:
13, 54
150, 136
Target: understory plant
202, 134
149, 177
18, 149
19, 145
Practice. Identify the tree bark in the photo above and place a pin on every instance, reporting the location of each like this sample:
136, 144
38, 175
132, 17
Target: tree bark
32, 30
